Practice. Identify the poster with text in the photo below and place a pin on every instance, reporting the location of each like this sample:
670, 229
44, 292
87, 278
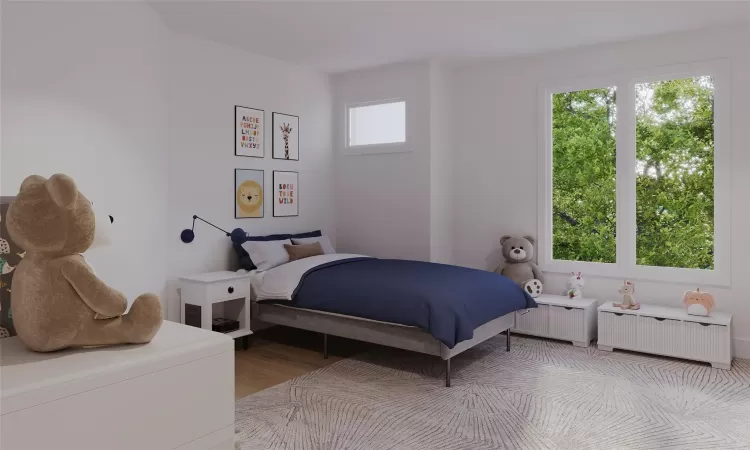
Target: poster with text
248, 132
248, 193
285, 193
285, 136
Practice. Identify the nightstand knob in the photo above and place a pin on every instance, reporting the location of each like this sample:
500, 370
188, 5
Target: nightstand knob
231, 289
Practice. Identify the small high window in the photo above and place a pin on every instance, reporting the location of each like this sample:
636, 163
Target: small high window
376, 124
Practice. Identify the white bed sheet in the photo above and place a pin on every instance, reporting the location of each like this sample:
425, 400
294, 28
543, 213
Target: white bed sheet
280, 282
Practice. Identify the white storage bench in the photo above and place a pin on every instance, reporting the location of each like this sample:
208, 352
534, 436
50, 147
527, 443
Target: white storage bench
559, 317
667, 331
175, 393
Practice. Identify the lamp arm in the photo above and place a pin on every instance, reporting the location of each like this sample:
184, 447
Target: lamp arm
206, 221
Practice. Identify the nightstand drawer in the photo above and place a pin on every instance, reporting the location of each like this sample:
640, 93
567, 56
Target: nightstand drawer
227, 289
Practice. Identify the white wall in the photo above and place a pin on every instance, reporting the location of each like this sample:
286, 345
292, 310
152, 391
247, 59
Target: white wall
206, 81
84, 93
496, 174
383, 200
143, 119
441, 166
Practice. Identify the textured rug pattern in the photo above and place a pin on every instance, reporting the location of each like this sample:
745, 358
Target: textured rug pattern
542, 395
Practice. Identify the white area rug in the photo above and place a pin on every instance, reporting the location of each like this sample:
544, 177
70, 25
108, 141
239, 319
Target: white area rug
541, 395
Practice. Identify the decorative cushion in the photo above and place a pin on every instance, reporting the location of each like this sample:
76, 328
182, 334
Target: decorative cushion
267, 254
10, 256
239, 237
303, 250
325, 243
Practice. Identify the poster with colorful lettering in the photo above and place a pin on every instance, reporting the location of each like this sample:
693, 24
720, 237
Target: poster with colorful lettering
285, 193
248, 132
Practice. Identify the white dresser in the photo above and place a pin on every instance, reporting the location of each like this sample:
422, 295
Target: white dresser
667, 331
176, 392
559, 317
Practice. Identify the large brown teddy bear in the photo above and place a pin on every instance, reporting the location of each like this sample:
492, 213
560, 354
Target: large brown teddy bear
57, 300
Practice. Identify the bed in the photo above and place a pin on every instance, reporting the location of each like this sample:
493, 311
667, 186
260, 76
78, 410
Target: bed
428, 308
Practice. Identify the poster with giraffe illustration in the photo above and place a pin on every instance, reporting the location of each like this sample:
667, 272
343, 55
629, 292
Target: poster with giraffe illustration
285, 136
248, 132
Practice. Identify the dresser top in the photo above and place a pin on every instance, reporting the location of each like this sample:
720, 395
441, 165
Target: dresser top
214, 277
563, 300
30, 378
666, 312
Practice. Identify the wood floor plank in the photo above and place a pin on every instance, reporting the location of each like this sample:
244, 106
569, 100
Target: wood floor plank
279, 354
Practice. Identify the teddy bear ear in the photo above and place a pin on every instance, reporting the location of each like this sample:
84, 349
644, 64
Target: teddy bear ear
63, 190
504, 239
530, 239
32, 180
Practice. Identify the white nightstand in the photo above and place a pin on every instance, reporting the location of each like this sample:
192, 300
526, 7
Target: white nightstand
229, 291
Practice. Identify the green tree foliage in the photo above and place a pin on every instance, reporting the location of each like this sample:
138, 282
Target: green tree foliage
583, 175
674, 174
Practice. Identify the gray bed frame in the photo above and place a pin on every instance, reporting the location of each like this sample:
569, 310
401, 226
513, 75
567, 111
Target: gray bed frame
383, 333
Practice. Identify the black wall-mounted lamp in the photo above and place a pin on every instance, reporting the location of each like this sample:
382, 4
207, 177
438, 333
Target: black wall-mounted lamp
188, 235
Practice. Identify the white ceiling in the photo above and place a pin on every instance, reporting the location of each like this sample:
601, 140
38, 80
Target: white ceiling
340, 36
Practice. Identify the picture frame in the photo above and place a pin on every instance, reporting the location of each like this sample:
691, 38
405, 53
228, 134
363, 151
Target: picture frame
285, 193
285, 137
249, 193
249, 132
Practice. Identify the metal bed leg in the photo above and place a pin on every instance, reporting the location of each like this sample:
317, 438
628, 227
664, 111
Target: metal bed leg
507, 339
325, 346
448, 372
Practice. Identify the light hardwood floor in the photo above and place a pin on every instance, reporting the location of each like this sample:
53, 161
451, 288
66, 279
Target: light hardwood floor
279, 354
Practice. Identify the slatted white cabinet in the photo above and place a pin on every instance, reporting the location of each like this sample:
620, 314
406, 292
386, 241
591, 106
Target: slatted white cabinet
559, 317
667, 331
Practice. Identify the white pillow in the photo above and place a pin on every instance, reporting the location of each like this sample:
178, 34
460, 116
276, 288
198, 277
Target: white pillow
323, 240
267, 254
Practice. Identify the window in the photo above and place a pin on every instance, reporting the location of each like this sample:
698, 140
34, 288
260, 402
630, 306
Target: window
376, 124
636, 175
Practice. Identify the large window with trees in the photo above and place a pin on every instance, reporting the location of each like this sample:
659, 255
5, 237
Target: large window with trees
635, 174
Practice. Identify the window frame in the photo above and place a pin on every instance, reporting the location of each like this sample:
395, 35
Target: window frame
388, 147
625, 137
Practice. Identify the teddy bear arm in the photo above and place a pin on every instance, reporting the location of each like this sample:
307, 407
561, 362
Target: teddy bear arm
537, 272
101, 298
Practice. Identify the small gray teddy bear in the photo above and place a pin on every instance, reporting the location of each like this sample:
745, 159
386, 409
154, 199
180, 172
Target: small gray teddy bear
518, 265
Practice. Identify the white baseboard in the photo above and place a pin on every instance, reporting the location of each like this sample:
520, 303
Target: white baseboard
741, 348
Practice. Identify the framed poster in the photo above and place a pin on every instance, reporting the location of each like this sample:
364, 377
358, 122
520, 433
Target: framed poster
249, 136
248, 193
285, 193
285, 136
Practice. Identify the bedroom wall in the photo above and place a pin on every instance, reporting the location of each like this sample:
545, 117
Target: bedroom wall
397, 205
441, 166
206, 81
496, 176
84, 93
383, 200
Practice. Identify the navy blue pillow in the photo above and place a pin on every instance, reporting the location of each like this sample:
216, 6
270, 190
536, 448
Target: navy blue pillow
239, 237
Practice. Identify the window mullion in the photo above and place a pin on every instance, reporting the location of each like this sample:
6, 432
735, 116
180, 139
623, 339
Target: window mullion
626, 177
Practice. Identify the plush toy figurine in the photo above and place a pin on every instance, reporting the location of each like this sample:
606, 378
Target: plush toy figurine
518, 265
628, 302
57, 300
698, 303
575, 286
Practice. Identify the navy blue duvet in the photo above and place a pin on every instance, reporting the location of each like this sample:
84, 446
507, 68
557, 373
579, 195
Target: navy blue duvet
449, 302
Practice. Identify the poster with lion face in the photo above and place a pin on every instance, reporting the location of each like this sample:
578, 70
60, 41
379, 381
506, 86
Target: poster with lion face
248, 193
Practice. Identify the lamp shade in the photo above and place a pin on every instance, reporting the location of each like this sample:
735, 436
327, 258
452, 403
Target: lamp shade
187, 236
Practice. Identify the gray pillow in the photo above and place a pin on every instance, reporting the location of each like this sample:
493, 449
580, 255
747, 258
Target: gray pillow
267, 254
324, 242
